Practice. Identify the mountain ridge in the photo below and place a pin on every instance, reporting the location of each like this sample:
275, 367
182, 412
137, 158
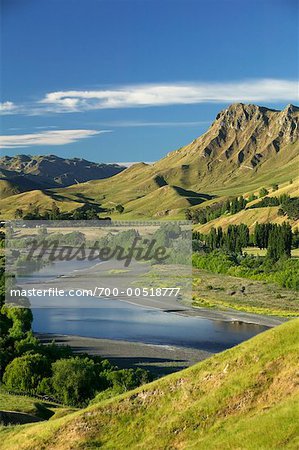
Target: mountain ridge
241, 136
50, 171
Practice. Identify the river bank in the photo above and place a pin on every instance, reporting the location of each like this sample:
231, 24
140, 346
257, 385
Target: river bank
159, 359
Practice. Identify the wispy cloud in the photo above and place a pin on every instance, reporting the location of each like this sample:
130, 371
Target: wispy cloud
46, 127
170, 94
59, 137
7, 107
137, 124
149, 95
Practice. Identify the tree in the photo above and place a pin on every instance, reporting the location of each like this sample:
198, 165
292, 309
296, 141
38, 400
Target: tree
119, 208
227, 205
232, 240
289, 207
21, 319
220, 237
280, 242
26, 372
242, 203
77, 215
74, 380
55, 212
212, 239
237, 204
252, 197
188, 214
86, 212
19, 213
295, 240
128, 379
33, 212
91, 214
263, 192
234, 206
243, 235
275, 187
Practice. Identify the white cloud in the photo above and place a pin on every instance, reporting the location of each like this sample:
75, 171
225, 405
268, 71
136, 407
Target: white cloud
146, 95
59, 137
7, 107
136, 124
264, 90
46, 127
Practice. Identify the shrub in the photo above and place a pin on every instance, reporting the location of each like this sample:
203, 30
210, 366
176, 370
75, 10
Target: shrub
119, 208
263, 192
26, 372
127, 379
74, 380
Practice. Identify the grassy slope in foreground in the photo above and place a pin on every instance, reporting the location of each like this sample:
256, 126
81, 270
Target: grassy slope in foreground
30, 405
244, 398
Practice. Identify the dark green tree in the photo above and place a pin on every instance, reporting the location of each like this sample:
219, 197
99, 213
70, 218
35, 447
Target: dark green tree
263, 192
24, 373
74, 380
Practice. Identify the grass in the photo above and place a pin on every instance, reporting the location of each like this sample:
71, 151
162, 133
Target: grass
220, 304
117, 271
31, 405
248, 216
245, 398
262, 252
212, 290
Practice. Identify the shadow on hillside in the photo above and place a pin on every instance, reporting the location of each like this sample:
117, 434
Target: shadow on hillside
157, 366
193, 197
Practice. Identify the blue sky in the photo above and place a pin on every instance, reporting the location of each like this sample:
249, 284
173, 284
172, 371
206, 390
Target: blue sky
130, 80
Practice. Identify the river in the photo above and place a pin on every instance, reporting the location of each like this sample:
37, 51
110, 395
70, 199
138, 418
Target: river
121, 320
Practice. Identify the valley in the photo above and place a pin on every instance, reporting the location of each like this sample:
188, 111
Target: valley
246, 148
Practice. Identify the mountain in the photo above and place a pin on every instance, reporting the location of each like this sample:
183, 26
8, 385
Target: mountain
52, 171
244, 398
13, 182
247, 147
245, 142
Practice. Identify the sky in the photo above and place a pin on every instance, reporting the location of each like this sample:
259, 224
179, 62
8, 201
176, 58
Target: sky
131, 80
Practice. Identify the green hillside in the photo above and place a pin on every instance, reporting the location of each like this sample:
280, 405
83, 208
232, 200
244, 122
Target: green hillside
42, 199
248, 216
244, 398
12, 182
33, 406
252, 216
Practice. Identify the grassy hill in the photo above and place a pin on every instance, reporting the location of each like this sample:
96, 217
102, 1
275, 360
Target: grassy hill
43, 199
31, 405
248, 216
251, 216
244, 398
12, 182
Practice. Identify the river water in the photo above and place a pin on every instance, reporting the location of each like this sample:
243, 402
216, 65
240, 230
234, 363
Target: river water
120, 320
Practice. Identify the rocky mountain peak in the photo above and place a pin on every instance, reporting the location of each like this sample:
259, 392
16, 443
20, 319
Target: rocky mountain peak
290, 109
244, 136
